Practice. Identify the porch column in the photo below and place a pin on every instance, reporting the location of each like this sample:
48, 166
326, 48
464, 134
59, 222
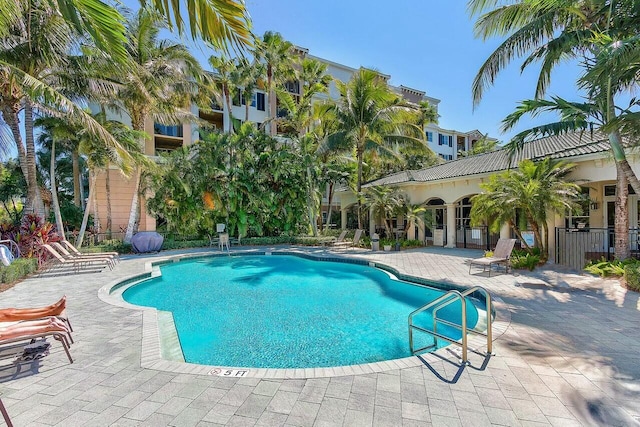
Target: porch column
411, 233
343, 218
451, 225
421, 233
372, 222
505, 231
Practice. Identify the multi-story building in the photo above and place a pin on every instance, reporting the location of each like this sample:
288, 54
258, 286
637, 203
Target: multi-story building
166, 138
448, 144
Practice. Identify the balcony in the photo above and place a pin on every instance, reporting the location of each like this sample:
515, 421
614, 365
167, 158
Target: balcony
174, 131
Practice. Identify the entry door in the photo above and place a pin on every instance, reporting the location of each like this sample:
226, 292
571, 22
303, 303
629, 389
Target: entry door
611, 222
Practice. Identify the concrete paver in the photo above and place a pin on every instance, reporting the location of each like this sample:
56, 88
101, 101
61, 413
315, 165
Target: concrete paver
569, 356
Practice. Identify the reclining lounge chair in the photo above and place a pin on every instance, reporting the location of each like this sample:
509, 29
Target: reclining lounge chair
32, 329
346, 243
501, 255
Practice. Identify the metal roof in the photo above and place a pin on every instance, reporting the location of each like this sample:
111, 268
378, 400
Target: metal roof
564, 146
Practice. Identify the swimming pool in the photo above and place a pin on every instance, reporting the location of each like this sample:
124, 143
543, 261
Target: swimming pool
289, 312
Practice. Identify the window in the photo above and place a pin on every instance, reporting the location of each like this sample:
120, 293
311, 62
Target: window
610, 190
445, 140
236, 98
578, 218
429, 136
293, 86
260, 101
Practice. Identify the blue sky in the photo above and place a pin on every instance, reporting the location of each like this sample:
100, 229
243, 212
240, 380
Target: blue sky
427, 45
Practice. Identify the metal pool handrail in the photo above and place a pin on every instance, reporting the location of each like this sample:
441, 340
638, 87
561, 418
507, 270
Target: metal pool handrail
442, 302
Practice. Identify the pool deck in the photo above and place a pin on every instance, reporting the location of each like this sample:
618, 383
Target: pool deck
569, 355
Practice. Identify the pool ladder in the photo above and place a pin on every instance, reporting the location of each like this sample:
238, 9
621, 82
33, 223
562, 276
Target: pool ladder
442, 302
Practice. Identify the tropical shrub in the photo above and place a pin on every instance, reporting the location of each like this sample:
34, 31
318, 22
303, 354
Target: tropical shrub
19, 268
632, 276
249, 181
33, 233
604, 268
527, 261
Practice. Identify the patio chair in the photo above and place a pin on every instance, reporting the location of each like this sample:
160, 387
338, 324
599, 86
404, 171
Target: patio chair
73, 250
340, 238
223, 241
501, 255
75, 263
89, 257
347, 244
33, 329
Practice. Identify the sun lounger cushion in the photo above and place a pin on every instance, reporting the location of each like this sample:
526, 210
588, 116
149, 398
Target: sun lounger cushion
6, 257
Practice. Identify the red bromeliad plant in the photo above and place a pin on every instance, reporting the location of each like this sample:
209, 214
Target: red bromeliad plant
33, 233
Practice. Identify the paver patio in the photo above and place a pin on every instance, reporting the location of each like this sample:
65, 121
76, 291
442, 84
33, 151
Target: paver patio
570, 356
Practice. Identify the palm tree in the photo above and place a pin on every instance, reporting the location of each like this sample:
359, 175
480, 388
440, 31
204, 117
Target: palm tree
225, 79
99, 157
300, 116
277, 56
248, 78
159, 84
57, 131
373, 118
36, 44
533, 190
385, 202
223, 23
553, 31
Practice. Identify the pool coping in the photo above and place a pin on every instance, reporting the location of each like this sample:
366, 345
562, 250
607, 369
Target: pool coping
153, 335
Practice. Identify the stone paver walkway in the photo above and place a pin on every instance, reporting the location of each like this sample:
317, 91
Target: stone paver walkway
570, 356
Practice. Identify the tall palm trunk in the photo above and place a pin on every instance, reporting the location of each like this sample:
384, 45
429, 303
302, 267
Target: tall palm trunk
621, 225
359, 156
34, 197
625, 177
272, 102
137, 123
85, 217
107, 188
135, 207
227, 99
75, 163
246, 108
54, 191
330, 200
10, 116
311, 204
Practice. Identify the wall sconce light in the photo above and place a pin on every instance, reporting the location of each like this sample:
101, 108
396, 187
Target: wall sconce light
593, 204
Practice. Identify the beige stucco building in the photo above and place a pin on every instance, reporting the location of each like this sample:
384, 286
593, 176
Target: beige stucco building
445, 189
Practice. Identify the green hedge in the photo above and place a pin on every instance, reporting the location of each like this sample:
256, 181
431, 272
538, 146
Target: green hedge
632, 276
18, 269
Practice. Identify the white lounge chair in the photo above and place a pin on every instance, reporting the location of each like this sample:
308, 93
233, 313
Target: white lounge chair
501, 255
347, 243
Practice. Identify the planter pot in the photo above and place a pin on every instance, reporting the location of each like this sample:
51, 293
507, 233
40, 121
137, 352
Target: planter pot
387, 248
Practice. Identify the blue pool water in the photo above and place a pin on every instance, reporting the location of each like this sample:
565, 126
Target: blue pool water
289, 312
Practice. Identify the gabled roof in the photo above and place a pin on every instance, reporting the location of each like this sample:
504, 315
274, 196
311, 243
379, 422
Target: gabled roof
565, 146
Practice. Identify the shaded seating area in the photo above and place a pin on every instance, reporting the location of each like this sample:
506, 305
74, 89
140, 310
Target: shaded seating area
501, 255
